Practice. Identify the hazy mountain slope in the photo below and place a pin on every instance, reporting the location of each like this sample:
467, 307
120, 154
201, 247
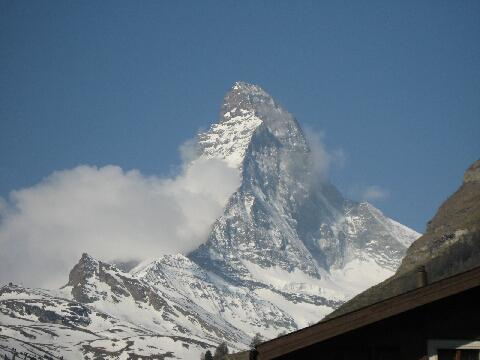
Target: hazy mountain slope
450, 245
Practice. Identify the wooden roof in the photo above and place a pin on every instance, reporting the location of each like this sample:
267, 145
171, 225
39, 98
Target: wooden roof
370, 314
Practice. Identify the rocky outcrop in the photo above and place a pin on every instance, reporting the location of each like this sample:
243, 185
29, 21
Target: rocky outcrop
472, 175
456, 222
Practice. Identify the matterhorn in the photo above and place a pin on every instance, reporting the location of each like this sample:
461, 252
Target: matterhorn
287, 250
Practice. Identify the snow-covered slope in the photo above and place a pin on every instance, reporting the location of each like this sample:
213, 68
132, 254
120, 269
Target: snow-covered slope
287, 250
50, 325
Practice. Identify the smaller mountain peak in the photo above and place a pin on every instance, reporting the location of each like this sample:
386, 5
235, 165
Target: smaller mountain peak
473, 173
86, 257
85, 268
87, 261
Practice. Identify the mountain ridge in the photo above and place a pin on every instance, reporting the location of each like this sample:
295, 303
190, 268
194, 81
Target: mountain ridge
450, 245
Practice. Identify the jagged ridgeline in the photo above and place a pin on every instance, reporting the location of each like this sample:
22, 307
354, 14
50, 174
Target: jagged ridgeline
287, 250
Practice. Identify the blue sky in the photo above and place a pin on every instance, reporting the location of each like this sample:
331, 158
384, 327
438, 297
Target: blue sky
394, 85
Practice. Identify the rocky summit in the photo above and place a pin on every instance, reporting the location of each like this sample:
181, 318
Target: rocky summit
287, 250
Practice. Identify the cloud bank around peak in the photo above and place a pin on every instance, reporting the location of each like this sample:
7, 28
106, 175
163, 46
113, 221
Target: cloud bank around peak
375, 193
323, 160
110, 213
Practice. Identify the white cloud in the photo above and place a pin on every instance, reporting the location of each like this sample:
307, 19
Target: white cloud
322, 159
374, 192
109, 213
189, 150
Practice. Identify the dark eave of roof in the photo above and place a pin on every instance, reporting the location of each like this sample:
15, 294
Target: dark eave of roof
368, 315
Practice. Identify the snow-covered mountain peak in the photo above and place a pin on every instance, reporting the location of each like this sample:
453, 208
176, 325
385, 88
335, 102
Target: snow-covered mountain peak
248, 110
244, 98
280, 216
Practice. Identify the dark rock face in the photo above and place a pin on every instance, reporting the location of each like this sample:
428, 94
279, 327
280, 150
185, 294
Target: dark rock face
451, 245
86, 268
